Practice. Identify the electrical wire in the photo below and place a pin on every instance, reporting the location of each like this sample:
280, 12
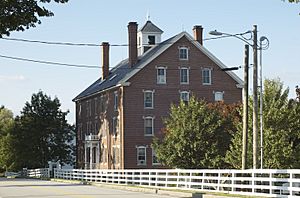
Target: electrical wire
90, 44
50, 62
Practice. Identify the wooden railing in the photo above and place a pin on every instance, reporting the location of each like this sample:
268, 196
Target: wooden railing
266, 182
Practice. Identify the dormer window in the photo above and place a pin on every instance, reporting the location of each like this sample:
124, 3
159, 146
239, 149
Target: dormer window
151, 40
183, 53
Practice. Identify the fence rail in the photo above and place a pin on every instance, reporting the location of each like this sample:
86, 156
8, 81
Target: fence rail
38, 173
266, 182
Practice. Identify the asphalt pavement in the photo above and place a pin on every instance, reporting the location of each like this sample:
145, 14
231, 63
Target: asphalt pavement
32, 188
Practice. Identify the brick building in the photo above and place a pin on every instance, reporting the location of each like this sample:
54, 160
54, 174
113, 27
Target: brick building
120, 113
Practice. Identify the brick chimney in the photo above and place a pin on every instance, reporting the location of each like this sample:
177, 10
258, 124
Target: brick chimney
198, 33
105, 60
132, 43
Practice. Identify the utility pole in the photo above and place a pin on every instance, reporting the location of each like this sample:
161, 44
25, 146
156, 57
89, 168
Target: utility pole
245, 108
255, 101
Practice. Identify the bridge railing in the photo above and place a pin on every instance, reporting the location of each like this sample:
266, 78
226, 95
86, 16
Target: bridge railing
266, 182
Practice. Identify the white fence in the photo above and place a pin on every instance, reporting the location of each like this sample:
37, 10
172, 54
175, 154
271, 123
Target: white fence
38, 173
266, 182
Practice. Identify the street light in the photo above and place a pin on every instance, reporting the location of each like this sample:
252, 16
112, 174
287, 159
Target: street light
254, 45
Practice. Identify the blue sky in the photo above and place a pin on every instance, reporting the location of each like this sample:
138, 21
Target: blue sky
96, 21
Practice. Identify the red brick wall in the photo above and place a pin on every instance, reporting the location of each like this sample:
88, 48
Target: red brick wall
166, 94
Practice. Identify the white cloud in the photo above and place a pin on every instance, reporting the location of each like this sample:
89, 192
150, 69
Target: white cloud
12, 78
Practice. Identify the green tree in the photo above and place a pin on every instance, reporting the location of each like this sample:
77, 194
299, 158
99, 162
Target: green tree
18, 15
42, 133
6, 125
197, 135
281, 132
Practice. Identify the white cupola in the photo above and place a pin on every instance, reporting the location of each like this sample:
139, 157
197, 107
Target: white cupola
148, 36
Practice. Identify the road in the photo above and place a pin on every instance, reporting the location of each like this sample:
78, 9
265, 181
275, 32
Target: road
30, 188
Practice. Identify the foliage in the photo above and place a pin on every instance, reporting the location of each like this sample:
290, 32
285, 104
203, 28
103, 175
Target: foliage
18, 15
6, 125
197, 135
42, 134
281, 131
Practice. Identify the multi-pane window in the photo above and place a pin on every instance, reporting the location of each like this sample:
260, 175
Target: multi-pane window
148, 99
183, 53
154, 158
219, 96
148, 126
185, 96
115, 126
116, 101
184, 75
161, 75
141, 155
206, 76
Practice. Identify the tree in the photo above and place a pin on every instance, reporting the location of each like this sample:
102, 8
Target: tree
281, 132
18, 15
197, 135
42, 134
6, 125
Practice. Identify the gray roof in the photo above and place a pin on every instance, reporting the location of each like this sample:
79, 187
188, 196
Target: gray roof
121, 73
150, 27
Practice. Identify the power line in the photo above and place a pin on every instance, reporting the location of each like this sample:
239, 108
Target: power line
61, 43
86, 44
93, 66
50, 62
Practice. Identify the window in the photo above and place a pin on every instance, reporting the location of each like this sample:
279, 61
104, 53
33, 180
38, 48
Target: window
88, 108
96, 106
148, 99
116, 156
141, 155
185, 96
116, 101
206, 76
161, 75
154, 158
183, 53
104, 155
94, 155
89, 128
184, 75
79, 131
148, 126
151, 40
219, 96
79, 110
115, 126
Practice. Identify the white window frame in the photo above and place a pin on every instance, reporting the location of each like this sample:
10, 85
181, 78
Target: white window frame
161, 79
152, 99
209, 70
152, 125
218, 96
116, 100
182, 93
154, 155
141, 162
187, 75
183, 56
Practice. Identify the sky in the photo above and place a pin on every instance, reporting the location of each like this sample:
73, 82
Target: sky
97, 21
